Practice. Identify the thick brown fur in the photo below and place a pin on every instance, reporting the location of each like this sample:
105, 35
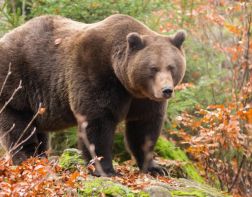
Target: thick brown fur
109, 71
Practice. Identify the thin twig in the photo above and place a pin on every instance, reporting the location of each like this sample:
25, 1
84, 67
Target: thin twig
13, 154
5, 80
237, 174
26, 128
12, 96
7, 132
2, 137
17, 145
36, 150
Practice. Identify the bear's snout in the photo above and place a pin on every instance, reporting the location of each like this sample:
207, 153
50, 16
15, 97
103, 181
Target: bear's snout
167, 92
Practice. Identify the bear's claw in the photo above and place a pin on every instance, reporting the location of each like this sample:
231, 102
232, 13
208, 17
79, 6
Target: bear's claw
108, 173
157, 170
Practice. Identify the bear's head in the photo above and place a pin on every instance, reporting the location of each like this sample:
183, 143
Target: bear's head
155, 64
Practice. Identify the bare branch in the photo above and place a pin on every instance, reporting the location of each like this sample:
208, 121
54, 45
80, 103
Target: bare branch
237, 174
36, 150
27, 138
26, 128
16, 151
5, 80
12, 96
7, 132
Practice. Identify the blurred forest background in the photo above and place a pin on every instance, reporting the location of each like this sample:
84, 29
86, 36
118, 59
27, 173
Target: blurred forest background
210, 116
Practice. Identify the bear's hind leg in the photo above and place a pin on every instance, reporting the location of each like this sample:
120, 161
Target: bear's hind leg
19, 141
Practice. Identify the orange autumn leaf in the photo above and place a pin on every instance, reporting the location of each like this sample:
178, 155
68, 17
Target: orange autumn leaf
249, 116
196, 124
72, 179
91, 168
232, 28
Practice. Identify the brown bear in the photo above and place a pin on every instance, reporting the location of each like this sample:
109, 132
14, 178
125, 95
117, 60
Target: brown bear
113, 70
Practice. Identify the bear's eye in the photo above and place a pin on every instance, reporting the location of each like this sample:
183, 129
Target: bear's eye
154, 69
171, 67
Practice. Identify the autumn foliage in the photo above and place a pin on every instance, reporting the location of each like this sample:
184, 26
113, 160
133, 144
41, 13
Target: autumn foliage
216, 133
219, 139
41, 177
218, 136
36, 177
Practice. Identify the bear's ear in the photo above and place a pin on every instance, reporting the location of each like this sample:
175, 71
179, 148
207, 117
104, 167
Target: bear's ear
179, 38
135, 41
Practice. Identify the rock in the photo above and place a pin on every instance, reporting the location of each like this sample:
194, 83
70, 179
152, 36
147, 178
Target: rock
158, 191
178, 187
168, 150
105, 187
189, 188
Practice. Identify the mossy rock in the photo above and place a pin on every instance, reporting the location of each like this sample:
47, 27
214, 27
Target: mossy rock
178, 187
158, 191
105, 186
185, 187
70, 159
166, 150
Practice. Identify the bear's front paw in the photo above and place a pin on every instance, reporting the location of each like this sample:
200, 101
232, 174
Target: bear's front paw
157, 170
154, 169
107, 173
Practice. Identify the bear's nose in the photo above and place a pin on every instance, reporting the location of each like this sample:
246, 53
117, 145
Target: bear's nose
167, 92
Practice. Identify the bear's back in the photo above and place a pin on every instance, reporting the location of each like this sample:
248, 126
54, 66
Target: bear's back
45, 49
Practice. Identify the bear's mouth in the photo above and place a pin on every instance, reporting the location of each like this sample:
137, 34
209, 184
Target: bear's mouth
152, 96
161, 97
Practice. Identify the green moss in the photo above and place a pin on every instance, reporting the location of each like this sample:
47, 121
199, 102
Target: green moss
99, 186
142, 194
167, 150
70, 159
189, 193
185, 187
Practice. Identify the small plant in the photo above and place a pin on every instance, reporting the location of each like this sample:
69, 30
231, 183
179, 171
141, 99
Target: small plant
11, 16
